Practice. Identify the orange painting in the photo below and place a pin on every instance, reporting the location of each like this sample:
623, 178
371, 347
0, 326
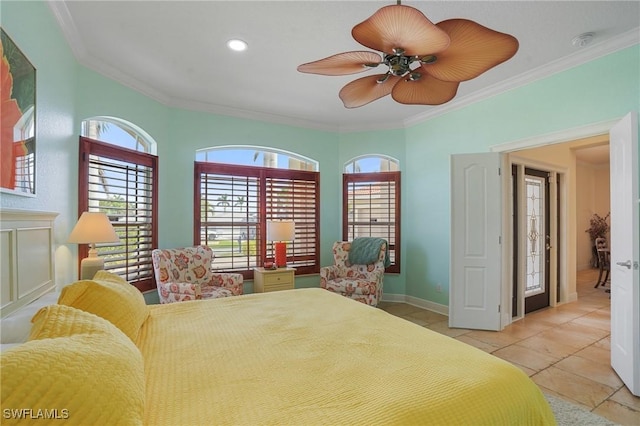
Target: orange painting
17, 119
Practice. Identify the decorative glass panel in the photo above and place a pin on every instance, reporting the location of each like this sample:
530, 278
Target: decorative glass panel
535, 187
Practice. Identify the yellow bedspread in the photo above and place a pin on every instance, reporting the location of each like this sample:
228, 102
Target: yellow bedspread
308, 356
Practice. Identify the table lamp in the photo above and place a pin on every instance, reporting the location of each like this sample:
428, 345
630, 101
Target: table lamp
280, 231
92, 228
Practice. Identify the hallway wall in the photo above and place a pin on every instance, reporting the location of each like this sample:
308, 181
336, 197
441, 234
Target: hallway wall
593, 196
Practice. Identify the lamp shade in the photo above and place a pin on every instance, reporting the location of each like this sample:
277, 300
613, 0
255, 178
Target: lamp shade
93, 227
281, 230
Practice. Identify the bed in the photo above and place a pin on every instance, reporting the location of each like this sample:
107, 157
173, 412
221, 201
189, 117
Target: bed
296, 357
96, 354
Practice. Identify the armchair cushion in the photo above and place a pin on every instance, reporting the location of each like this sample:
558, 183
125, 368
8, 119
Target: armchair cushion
359, 282
179, 292
185, 274
229, 281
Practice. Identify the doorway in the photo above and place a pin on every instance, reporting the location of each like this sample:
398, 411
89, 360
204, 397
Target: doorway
532, 239
577, 186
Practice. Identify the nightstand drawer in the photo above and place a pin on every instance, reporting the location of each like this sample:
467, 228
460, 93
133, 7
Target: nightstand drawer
278, 279
278, 286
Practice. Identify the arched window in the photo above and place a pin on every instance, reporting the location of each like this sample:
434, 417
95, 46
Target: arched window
118, 132
239, 189
256, 156
118, 176
371, 202
372, 164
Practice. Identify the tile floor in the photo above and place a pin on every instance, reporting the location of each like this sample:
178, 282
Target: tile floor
565, 350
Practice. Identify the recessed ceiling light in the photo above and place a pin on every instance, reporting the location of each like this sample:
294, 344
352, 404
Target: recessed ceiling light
237, 45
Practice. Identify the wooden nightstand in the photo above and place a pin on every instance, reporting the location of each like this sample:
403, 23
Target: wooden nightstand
265, 280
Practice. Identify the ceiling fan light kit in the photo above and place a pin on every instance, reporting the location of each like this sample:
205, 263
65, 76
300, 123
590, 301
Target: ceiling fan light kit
425, 62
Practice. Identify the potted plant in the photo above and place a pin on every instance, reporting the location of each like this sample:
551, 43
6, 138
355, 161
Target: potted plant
598, 228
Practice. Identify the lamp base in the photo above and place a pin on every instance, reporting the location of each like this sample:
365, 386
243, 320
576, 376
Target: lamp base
281, 254
89, 266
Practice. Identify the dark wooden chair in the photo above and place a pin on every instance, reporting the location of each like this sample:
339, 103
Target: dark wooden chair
604, 261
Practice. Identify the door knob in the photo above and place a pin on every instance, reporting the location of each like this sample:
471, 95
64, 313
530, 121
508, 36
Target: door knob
627, 264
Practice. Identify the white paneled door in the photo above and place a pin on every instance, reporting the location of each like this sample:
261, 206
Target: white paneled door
625, 291
476, 220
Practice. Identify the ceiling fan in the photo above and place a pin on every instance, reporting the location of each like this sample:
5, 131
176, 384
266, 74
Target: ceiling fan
426, 62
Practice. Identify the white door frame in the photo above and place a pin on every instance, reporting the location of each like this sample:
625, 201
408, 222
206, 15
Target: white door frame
569, 135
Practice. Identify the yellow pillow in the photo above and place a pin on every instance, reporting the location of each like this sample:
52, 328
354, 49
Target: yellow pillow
111, 277
111, 298
64, 321
90, 374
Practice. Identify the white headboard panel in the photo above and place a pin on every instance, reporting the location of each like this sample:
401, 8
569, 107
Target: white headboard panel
27, 267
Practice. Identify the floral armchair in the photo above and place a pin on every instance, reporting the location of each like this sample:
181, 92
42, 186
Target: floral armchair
185, 274
359, 282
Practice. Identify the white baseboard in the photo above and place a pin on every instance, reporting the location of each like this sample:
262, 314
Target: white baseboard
415, 301
573, 297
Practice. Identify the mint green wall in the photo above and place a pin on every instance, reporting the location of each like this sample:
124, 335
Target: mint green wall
601, 90
385, 142
34, 30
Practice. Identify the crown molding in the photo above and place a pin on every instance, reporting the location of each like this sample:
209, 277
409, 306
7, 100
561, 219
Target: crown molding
82, 55
599, 50
70, 32
249, 115
357, 128
68, 27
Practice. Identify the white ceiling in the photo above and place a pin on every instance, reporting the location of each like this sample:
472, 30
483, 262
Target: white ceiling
175, 51
596, 156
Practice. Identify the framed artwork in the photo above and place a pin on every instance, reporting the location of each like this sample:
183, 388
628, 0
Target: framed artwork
18, 120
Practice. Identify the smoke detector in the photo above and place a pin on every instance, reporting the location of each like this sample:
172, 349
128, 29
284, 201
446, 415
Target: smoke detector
582, 40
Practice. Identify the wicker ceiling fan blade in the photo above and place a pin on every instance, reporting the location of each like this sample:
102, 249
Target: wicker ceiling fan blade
367, 89
343, 63
474, 49
404, 27
425, 91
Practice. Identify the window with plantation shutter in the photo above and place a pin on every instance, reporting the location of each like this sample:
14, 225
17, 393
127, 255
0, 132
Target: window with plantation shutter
371, 208
233, 203
122, 183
